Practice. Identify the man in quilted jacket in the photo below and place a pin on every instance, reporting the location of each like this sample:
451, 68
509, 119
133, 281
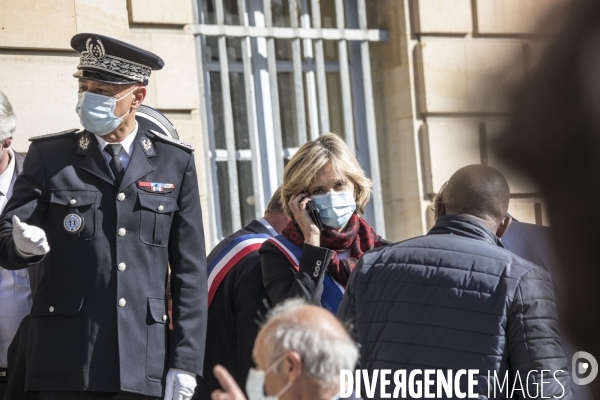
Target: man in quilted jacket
455, 300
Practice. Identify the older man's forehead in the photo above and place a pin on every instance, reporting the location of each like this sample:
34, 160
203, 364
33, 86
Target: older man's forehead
102, 84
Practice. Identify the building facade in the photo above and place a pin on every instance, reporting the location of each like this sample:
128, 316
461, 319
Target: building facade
406, 83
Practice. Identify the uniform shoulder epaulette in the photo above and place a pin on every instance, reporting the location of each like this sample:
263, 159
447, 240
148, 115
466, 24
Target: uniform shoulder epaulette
53, 135
168, 139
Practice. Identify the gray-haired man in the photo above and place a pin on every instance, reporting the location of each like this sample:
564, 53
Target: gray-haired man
15, 291
299, 354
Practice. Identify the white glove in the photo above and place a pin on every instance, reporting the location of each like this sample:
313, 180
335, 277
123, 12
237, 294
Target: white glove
180, 385
29, 240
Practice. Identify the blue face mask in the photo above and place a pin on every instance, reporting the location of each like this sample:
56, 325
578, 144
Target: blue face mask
335, 208
96, 112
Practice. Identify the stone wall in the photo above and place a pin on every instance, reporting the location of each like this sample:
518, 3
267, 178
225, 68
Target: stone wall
37, 62
440, 85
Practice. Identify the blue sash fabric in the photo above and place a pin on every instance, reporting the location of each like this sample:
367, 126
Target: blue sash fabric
332, 291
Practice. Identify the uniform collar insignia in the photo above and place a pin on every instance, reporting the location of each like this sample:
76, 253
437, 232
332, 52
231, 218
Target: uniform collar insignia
83, 144
147, 146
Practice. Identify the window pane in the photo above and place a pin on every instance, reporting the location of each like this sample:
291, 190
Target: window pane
224, 199
238, 95
328, 15
216, 101
238, 103
231, 12
281, 14
283, 49
207, 9
211, 49
287, 107
246, 189
334, 98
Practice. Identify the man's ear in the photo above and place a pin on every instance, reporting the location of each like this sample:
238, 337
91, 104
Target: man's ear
292, 366
440, 209
504, 224
140, 95
6, 144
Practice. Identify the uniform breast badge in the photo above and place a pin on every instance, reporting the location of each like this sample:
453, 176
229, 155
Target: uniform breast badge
84, 142
74, 223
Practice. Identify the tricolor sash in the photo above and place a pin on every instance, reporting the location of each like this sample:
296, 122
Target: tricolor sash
332, 291
228, 257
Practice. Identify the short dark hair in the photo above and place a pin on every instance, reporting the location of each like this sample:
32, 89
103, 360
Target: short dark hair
275, 205
477, 190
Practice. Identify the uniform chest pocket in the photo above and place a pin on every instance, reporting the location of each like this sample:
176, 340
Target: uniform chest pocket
156, 215
73, 214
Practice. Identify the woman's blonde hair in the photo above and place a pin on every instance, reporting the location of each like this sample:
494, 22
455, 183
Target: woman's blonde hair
310, 158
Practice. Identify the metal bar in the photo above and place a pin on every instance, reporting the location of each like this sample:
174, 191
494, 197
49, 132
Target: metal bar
345, 79
320, 61
371, 126
272, 67
212, 183
289, 152
372, 35
257, 181
281, 66
222, 155
298, 84
234, 197
311, 84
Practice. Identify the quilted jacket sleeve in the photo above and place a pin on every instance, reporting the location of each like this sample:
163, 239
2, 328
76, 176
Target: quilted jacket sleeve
347, 311
533, 339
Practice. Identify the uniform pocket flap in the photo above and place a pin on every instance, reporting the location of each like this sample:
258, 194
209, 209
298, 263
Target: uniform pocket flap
157, 310
158, 203
57, 303
74, 198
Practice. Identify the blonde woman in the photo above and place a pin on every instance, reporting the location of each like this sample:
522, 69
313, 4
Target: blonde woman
306, 260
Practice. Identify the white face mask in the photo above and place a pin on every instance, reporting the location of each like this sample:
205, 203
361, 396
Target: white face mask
96, 112
255, 384
335, 208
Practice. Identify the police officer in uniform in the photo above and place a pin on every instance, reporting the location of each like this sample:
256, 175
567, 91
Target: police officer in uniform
107, 210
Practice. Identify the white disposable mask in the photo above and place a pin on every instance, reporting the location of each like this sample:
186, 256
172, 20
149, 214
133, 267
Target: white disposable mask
335, 208
96, 112
255, 384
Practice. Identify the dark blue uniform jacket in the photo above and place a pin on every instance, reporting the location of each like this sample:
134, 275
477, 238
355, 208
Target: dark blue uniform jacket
99, 318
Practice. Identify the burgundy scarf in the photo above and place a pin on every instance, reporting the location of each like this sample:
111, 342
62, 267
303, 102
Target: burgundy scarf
358, 236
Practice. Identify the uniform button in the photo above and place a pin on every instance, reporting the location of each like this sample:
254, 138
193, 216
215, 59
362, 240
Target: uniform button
164, 317
318, 262
122, 266
160, 208
51, 309
122, 231
121, 196
122, 303
73, 201
315, 274
317, 269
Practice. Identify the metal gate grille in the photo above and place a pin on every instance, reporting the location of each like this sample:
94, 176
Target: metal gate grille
271, 53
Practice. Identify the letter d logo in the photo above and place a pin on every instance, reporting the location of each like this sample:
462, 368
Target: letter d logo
583, 367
